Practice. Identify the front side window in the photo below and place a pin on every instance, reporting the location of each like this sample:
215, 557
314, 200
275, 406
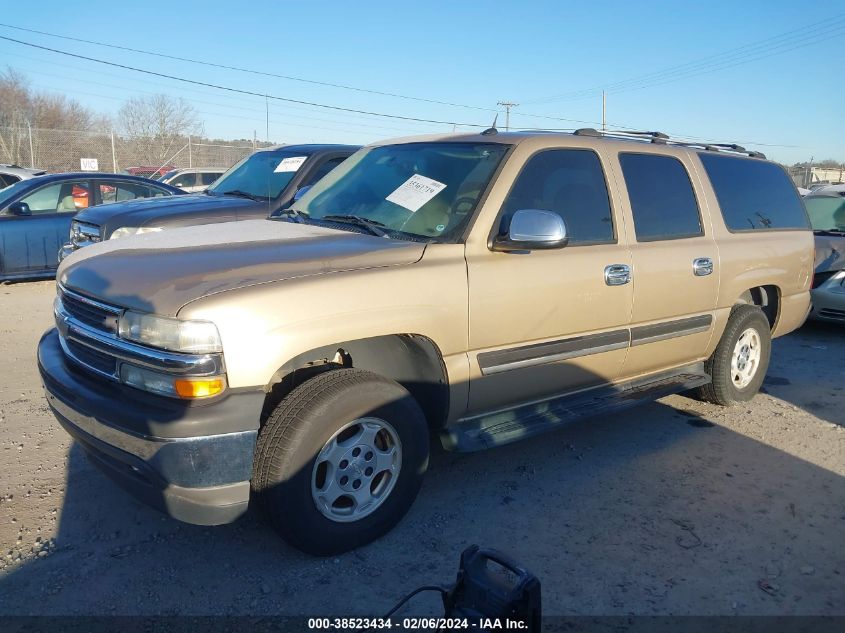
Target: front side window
323, 170
185, 180
662, 198
7, 179
569, 182
754, 194
60, 197
426, 190
207, 178
263, 175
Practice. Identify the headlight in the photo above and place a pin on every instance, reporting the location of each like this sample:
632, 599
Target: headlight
196, 337
82, 234
123, 231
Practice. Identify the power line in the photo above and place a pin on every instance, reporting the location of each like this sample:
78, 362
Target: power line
236, 106
235, 90
796, 38
250, 70
313, 104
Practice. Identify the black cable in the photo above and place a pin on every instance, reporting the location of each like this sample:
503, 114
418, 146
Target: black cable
249, 70
236, 90
443, 591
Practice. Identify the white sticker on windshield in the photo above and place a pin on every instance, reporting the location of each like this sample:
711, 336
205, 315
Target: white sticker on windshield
291, 163
415, 192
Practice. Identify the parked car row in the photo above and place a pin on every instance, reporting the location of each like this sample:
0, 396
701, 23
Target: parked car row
480, 288
262, 184
36, 215
45, 218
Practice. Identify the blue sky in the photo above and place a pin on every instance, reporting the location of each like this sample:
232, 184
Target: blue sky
552, 58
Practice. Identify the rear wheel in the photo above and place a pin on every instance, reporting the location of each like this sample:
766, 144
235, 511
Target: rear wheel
739, 363
340, 460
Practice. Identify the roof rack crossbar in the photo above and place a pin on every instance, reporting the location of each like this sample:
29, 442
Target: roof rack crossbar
663, 139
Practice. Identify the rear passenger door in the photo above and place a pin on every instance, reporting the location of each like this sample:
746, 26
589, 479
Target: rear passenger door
547, 322
674, 275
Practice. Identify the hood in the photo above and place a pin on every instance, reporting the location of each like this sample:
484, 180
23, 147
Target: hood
142, 212
830, 253
161, 272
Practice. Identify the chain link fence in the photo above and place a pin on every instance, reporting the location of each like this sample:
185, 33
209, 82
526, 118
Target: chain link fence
67, 150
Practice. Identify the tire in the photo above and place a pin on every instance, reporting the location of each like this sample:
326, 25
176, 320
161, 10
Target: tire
733, 384
347, 404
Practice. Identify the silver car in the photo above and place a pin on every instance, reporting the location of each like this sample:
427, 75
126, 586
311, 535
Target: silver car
827, 215
10, 174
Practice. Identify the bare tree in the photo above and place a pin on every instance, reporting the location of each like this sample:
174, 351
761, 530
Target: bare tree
158, 125
24, 112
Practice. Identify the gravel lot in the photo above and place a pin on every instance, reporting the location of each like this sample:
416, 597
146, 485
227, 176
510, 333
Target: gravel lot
678, 507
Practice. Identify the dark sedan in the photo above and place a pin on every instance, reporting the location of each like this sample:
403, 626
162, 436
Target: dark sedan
36, 214
262, 184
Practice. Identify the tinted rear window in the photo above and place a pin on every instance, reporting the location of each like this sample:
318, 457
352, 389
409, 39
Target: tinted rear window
662, 199
753, 194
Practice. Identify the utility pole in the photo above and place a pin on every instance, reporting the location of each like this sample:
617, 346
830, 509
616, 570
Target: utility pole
603, 111
267, 114
507, 105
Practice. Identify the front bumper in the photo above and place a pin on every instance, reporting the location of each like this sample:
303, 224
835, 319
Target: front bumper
828, 303
192, 461
66, 250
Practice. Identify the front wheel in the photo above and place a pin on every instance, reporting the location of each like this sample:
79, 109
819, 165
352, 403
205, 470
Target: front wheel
340, 460
739, 363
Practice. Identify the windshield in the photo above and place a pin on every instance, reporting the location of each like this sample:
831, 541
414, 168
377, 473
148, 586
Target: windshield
165, 177
262, 175
827, 213
422, 189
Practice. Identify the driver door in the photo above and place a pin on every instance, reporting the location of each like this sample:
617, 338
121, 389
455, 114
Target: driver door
546, 322
31, 242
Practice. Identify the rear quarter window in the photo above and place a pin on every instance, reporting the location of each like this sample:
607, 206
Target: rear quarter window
754, 195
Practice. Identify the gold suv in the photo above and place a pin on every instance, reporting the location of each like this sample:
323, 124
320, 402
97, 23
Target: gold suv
485, 287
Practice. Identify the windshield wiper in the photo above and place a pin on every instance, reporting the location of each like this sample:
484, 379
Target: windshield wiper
373, 226
244, 194
830, 231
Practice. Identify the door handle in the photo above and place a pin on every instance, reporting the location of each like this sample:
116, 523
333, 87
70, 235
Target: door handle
702, 266
617, 274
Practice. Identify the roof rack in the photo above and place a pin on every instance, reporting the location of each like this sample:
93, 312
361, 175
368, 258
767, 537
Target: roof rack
663, 139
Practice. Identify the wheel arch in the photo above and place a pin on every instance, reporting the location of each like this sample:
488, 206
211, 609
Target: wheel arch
767, 298
412, 360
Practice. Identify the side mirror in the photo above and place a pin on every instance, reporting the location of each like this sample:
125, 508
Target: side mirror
301, 192
20, 208
533, 229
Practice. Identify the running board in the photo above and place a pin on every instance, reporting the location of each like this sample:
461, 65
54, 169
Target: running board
503, 427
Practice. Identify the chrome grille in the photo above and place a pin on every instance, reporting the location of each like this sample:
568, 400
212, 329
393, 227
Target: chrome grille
90, 312
89, 336
91, 358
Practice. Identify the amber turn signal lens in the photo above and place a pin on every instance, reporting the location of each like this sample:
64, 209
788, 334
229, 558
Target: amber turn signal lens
198, 387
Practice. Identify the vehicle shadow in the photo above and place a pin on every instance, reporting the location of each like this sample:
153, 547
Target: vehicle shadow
806, 370
655, 511
661, 509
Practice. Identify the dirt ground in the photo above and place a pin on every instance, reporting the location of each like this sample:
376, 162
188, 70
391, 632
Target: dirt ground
678, 507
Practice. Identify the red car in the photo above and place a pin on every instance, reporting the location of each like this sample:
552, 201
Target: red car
150, 172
